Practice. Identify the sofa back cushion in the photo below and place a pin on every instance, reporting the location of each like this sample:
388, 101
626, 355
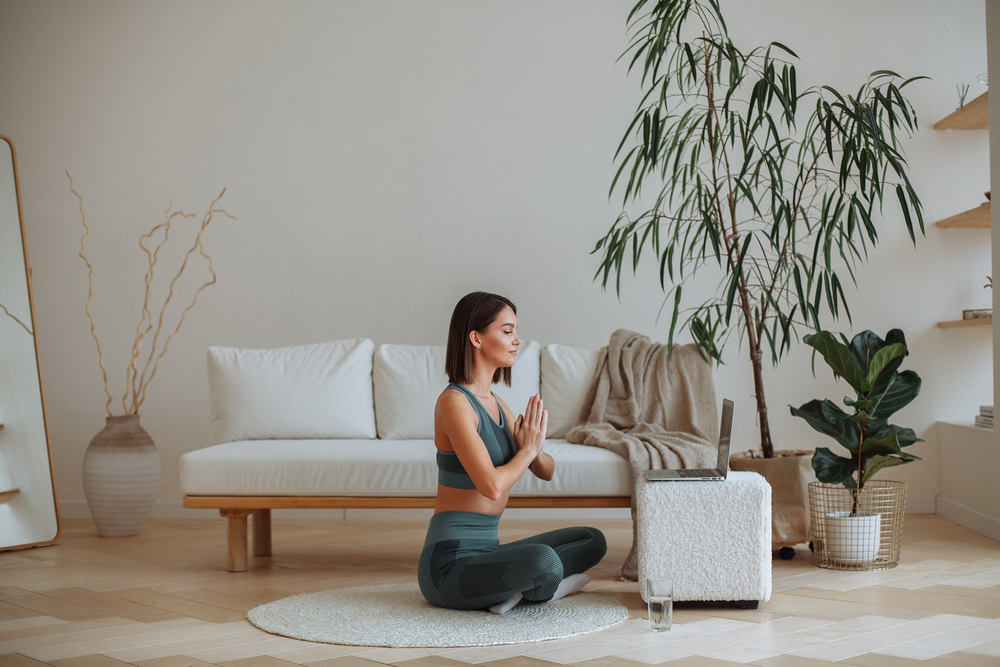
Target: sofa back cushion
309, 391
566, 374
409, 378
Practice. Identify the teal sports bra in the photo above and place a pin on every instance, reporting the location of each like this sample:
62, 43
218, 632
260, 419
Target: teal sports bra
497, 438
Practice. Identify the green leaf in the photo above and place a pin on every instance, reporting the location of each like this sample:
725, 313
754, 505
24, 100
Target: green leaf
876, 463
900, 392
654, 144
861, 404
880, 361
880, 446
862, 418
826, 418
830, 468
838, 356
785, 49
906, 213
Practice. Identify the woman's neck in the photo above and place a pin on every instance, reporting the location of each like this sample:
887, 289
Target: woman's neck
482, 381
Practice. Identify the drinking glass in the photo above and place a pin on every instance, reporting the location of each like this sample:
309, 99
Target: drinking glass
660, 603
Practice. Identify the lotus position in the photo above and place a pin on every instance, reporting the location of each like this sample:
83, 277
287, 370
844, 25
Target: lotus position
482, 450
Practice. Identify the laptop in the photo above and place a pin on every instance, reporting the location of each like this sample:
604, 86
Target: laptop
717, 474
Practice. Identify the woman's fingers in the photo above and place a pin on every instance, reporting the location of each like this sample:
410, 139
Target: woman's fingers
533, 413
529, 412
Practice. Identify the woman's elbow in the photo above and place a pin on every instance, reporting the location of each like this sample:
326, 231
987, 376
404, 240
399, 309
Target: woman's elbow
491, 489
492, 492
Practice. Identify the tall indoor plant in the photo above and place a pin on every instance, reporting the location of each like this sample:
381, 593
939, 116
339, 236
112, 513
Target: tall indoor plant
870, 365
776, 187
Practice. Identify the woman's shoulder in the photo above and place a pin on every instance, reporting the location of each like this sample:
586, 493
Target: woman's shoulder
453, 398
453, 407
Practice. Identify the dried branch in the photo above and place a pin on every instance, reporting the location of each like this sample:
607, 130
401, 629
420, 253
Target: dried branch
136, 383
14, 317
131, 374
90, 293
139, 397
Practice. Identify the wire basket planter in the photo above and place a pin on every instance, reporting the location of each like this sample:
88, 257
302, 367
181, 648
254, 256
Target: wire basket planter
861, 535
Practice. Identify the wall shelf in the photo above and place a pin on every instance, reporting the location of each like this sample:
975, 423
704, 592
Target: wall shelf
7, 495
973, 116
978, 322
977, 217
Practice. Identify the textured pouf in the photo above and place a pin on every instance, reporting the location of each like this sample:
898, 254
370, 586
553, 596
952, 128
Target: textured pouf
398, 616
713, 539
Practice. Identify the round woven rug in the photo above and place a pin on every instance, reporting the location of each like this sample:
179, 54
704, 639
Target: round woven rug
398, 616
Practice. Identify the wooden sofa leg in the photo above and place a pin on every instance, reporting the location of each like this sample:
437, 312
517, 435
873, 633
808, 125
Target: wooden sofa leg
262, 532
237, 534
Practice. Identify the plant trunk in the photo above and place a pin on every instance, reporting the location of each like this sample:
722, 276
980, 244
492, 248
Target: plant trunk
758, 386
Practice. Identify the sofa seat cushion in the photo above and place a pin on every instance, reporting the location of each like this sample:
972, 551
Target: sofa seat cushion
376, 468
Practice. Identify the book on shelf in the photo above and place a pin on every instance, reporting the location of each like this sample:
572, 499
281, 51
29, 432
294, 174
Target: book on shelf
985, 422
986, 411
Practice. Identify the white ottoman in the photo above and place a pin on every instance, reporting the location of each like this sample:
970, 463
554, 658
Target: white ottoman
713, 539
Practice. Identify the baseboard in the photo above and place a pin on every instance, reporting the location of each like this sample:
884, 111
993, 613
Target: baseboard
922, 504
973, 519
175, 511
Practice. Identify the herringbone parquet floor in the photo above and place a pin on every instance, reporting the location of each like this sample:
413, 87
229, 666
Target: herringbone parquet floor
163, 599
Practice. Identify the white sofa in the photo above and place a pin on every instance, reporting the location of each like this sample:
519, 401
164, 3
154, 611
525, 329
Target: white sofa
341, 425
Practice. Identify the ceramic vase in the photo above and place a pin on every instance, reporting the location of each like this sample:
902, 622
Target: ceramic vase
121, 475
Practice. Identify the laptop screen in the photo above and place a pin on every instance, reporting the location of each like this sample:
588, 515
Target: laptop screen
725, 433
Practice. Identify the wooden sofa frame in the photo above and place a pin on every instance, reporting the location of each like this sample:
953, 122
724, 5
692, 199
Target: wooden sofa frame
236, 509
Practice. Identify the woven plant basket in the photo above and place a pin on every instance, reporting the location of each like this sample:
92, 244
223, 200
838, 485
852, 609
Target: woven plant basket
865, 535
789, 474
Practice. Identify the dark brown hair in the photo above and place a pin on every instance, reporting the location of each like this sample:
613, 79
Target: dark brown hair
474, 312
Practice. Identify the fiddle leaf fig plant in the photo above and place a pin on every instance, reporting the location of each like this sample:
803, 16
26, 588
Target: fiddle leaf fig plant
871, 366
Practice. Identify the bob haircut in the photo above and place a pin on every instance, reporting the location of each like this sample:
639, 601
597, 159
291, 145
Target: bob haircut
474, 312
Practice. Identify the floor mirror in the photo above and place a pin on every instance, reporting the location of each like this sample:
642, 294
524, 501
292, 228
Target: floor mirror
29, 513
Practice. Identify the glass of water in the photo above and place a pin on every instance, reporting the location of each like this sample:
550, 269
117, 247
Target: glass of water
660, 603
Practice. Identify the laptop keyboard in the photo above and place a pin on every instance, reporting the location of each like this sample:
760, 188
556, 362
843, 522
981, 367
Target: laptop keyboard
697, 472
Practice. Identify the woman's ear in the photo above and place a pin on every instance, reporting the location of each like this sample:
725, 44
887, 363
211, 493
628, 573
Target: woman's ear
474, 339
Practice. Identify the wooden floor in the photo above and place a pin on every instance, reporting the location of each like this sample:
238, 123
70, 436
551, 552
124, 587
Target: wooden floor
163, 599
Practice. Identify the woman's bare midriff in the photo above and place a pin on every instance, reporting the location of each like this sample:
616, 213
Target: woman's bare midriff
468, 500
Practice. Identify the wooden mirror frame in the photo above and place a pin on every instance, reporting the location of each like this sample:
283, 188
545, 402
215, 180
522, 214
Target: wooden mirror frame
34, 496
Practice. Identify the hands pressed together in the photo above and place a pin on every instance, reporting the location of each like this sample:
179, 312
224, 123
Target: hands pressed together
529, 428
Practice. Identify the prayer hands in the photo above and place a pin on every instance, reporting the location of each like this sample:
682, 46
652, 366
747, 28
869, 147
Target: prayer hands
529, 428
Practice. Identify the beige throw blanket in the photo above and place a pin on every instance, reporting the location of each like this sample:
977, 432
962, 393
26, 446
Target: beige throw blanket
655, 411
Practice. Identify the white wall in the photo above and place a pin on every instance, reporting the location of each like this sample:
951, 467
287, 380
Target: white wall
385, 158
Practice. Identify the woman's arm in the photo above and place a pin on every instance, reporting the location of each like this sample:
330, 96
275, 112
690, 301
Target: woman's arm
455, 416
543, 467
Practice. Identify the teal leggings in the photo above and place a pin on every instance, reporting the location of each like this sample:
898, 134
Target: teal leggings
463, 565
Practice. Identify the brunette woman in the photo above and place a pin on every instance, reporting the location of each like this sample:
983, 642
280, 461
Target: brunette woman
482, 451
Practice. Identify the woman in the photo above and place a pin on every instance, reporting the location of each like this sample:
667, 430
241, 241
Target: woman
482, 451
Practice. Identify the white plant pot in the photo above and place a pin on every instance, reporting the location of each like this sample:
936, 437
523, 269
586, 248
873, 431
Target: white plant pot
853, 540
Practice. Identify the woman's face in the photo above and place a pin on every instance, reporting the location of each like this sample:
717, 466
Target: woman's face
499, 342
